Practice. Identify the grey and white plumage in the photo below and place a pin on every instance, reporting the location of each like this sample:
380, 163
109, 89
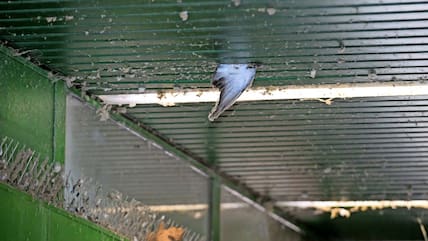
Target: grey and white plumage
232, 80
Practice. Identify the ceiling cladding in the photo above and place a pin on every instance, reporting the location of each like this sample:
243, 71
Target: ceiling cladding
127, 46
354, 149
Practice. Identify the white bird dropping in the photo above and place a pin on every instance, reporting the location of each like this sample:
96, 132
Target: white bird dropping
232, 80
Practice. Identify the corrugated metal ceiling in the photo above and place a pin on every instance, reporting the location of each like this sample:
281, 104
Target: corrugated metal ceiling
352, 149
371, 148
118, 46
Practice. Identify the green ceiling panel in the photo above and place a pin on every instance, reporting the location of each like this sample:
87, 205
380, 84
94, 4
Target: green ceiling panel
122, 46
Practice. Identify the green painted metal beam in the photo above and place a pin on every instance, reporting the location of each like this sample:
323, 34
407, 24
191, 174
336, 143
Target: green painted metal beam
214, 185
215, 201
23, 218
32, 111
58, 144
31, 102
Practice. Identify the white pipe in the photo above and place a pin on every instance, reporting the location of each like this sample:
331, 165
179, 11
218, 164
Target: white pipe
378, 204
326, 92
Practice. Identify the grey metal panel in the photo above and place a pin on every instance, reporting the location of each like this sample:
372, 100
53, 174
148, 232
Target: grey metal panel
117, 159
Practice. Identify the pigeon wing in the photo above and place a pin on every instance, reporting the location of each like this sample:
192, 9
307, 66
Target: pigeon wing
229, 93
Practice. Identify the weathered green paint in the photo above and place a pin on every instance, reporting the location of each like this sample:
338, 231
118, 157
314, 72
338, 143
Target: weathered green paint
59, 121
23, 218
32, 109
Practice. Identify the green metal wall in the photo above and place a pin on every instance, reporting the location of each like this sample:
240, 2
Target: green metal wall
32, 107
22, 218
32, 111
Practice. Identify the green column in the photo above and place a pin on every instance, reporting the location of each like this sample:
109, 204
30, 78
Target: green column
214, 187
215, 200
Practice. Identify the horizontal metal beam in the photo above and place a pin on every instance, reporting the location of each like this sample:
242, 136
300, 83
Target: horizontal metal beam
300, 92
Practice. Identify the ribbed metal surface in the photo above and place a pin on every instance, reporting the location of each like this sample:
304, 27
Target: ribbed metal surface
116, 159
117, 46
250, 224
352, 149
120, 160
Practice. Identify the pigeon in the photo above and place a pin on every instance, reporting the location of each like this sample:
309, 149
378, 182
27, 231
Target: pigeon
232, 80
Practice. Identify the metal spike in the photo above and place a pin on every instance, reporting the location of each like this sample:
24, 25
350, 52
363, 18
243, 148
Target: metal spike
28, 162
6, 153
46, 180
3, 141
12, 152
16, 166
